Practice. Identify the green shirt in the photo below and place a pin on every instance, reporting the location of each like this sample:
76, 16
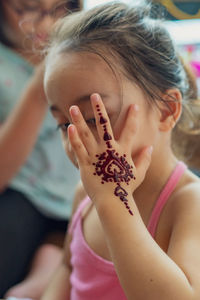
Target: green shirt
47, 178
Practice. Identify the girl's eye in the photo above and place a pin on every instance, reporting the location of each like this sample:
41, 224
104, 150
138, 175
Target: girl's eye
63, 127
91, 121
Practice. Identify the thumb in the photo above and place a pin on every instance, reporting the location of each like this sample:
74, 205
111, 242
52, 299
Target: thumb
143, 162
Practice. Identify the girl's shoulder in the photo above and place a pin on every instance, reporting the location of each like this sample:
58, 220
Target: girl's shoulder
186, 198
189, 186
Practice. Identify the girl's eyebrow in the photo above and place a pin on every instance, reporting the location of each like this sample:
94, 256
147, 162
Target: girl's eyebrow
83, 98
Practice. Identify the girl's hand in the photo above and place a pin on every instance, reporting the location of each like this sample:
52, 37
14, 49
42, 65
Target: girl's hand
106, 164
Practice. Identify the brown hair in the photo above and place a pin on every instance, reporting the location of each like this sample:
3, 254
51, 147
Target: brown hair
141, 44
186, 134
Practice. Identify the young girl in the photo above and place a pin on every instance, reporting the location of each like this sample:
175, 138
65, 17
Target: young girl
36, 182
115, 86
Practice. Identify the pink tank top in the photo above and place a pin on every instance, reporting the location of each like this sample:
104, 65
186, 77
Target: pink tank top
93, 277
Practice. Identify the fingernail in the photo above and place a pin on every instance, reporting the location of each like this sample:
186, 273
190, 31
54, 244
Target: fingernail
71, 128
95, 98
74, 110
150, 150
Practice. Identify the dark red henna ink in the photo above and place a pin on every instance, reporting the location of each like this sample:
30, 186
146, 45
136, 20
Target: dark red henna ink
112, 167
122, 193
102, 120
107, 136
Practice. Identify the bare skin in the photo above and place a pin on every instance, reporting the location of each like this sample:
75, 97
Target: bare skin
172, 260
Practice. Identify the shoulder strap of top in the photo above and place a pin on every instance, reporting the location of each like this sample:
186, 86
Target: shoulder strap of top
164, 196
77, 214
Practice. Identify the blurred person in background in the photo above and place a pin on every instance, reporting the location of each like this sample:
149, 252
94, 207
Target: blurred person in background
36, 179
186, 137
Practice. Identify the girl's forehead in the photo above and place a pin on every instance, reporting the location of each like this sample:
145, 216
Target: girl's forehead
87, 64
85, 72
77, 75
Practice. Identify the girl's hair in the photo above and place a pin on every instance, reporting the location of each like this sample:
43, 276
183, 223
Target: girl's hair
72, 5
141, 45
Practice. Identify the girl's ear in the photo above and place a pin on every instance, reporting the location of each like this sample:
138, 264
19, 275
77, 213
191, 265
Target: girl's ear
170, 109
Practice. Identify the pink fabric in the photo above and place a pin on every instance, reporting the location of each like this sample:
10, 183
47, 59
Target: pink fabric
93, 277
164, 196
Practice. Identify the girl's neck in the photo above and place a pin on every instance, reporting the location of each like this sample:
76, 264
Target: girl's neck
156, 177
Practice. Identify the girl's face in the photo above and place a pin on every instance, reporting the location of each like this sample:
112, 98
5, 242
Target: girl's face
29, 22
71, 78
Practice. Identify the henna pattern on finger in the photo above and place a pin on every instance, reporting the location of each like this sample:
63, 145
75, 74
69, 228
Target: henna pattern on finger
112, 167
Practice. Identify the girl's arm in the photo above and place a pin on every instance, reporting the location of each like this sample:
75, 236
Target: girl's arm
19, 132
59, 287
144, 269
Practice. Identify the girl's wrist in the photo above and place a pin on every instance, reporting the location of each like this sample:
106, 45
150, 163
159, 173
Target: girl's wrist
109, 202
